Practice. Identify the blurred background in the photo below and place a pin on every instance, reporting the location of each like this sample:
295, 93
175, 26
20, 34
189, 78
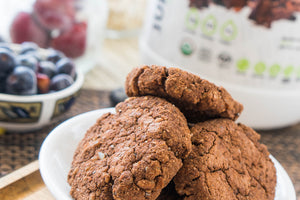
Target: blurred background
75, 27
249, 47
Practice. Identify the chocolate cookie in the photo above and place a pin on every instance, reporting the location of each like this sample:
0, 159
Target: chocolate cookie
227, 162
231, 3
132, 154
197, 98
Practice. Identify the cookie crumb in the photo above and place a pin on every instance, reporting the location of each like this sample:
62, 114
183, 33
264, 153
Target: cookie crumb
101, 155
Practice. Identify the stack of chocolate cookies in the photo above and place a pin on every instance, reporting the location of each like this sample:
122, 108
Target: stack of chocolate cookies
175, 137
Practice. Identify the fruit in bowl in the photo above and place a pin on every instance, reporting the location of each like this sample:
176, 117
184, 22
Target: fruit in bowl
28, 73
37, 85
52, 23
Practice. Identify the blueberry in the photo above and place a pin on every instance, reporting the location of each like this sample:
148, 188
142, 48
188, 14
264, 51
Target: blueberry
2, 85
48, 68
117, 95
7, 63
61, 81
34, 54
28, 46
6, 46
22, 81
28, 60
54, 56
66, 66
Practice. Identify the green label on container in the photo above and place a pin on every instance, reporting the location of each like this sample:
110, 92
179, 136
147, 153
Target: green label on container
209, 25
229, 31
242, 65
260, 68
274, 70
186, 48
192, 19
298, 73
288, 71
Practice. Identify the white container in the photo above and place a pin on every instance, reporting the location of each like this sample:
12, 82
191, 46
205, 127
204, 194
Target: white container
258, 62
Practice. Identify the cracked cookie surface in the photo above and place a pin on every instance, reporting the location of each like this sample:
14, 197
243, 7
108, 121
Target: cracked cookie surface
227, 162
197, 98
132, 154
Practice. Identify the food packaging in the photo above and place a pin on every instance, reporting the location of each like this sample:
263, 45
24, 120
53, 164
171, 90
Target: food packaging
250, 47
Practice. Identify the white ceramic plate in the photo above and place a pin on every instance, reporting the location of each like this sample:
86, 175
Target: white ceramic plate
57, 153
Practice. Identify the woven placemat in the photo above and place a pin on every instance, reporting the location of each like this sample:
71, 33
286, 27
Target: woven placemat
17, 150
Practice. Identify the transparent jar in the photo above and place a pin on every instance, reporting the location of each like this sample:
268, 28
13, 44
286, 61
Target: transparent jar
75, 27
125, 17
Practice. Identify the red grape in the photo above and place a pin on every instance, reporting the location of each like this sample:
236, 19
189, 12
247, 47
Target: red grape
72, 42
24, 29
43, 83
54, 14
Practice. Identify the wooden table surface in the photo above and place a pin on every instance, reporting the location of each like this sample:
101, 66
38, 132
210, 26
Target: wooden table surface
117, 58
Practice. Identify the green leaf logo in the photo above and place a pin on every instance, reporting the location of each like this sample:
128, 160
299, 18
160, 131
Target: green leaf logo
260, 68
229, 31
298, 73
209, 25
186, 48
288, 71
192, 19
274, 70
242, 65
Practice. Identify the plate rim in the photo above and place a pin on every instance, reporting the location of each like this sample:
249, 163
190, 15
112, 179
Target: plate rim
55, 191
